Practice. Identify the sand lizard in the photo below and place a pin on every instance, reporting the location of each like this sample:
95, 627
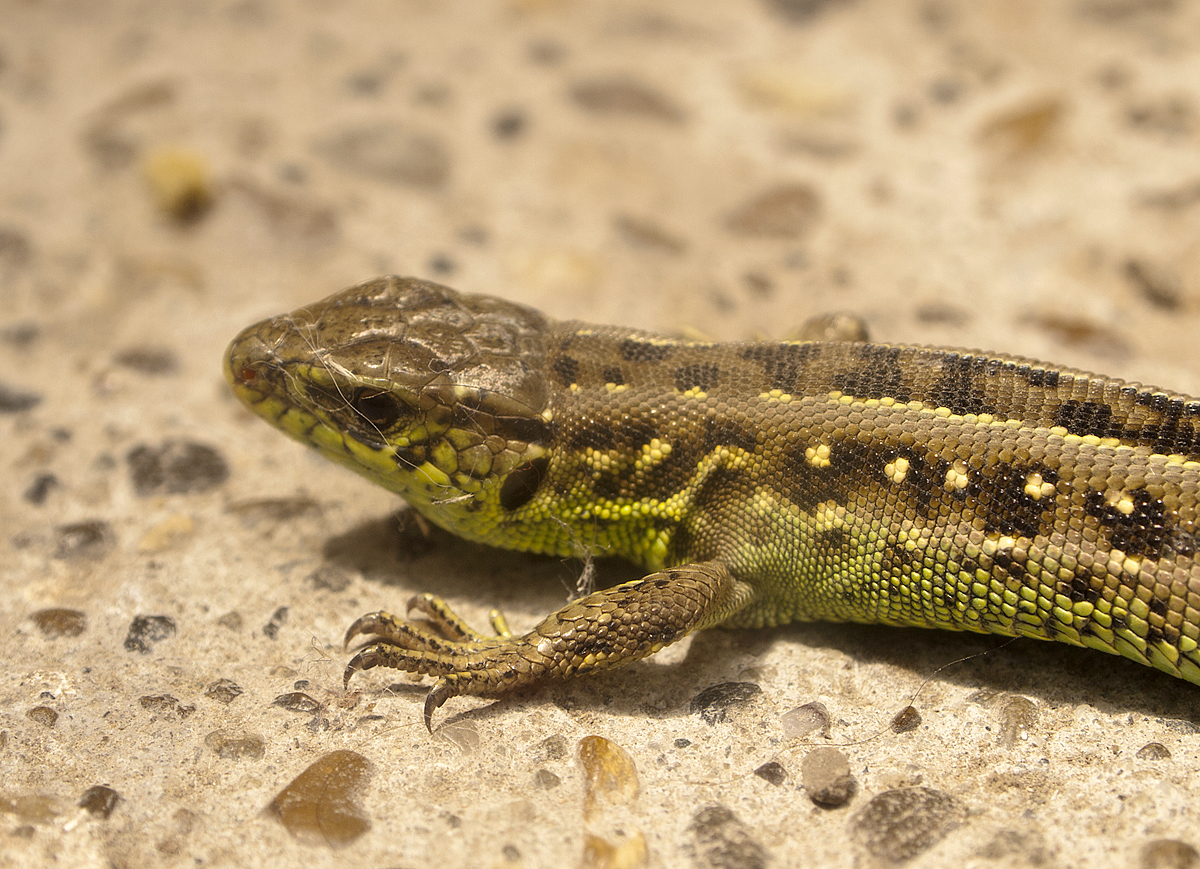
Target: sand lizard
757, 483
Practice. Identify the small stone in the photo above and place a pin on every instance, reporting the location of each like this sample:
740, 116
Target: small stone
329, 577
825, 774
166, 706
223, 691
99, 801
715, 704
718, 840
146, 631
609, 773
546, 780
55, 623
555, 747
82, 541
1017, 717
151, 361
900, 824
805, 720
15, 401
231, 620
906, 720
598, 853
176, 468
772, 772
40, 488
167, 534
1153, 751
43, 715
1169, 854
278, 620
803, 11
235, 747
321, 806
297, 701
180, 181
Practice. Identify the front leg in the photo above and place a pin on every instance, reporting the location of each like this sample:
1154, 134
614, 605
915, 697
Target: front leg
606, 629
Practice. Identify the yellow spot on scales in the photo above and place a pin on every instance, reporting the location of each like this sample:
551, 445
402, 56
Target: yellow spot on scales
818, 456
1037, 488
776, 396
896, 470
956, 476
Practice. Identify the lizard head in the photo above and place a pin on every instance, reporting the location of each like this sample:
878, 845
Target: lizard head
433, 394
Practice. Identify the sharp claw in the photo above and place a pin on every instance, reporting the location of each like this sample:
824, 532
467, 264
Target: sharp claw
362, 627
438, 694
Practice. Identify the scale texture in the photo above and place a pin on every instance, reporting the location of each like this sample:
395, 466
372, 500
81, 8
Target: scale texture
758, 483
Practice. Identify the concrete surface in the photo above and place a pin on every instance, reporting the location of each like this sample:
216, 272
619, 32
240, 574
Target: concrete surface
1016, 175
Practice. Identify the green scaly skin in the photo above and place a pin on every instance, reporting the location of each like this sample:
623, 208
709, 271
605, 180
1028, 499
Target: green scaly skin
756, 483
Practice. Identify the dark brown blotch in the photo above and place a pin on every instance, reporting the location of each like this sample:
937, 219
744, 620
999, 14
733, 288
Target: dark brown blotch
1000, 500
879, 376
697, 375
1087, 418
784, 365
566, 370
633, 350
961, 385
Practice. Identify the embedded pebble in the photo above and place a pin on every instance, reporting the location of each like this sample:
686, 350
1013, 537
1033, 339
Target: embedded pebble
146, 631
786, 211
83, 541
609, 773
805, 720
166, 706
1153, 751
278, 620
772, 772
714, 705
898, 825
167, 534
235, 747
906, 720
1017, 717
321, 805
825, 774
176, 468
223, 691
99, 801
1168, 854
37, 491
55, 622
14, 401
43, 715
151, 361
296, 701
718, 840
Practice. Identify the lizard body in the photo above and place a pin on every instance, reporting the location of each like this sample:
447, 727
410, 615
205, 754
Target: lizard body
757, 483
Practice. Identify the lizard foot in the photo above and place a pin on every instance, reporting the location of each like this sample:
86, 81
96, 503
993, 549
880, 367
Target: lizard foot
606, 629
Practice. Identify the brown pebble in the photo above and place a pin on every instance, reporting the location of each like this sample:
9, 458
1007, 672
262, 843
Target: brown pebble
55, 623
825, 774
321, 805
609, 773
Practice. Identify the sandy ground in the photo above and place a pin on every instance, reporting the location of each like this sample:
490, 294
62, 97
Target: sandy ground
1016, 175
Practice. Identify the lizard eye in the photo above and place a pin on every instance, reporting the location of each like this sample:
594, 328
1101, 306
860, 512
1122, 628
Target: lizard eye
380, 409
